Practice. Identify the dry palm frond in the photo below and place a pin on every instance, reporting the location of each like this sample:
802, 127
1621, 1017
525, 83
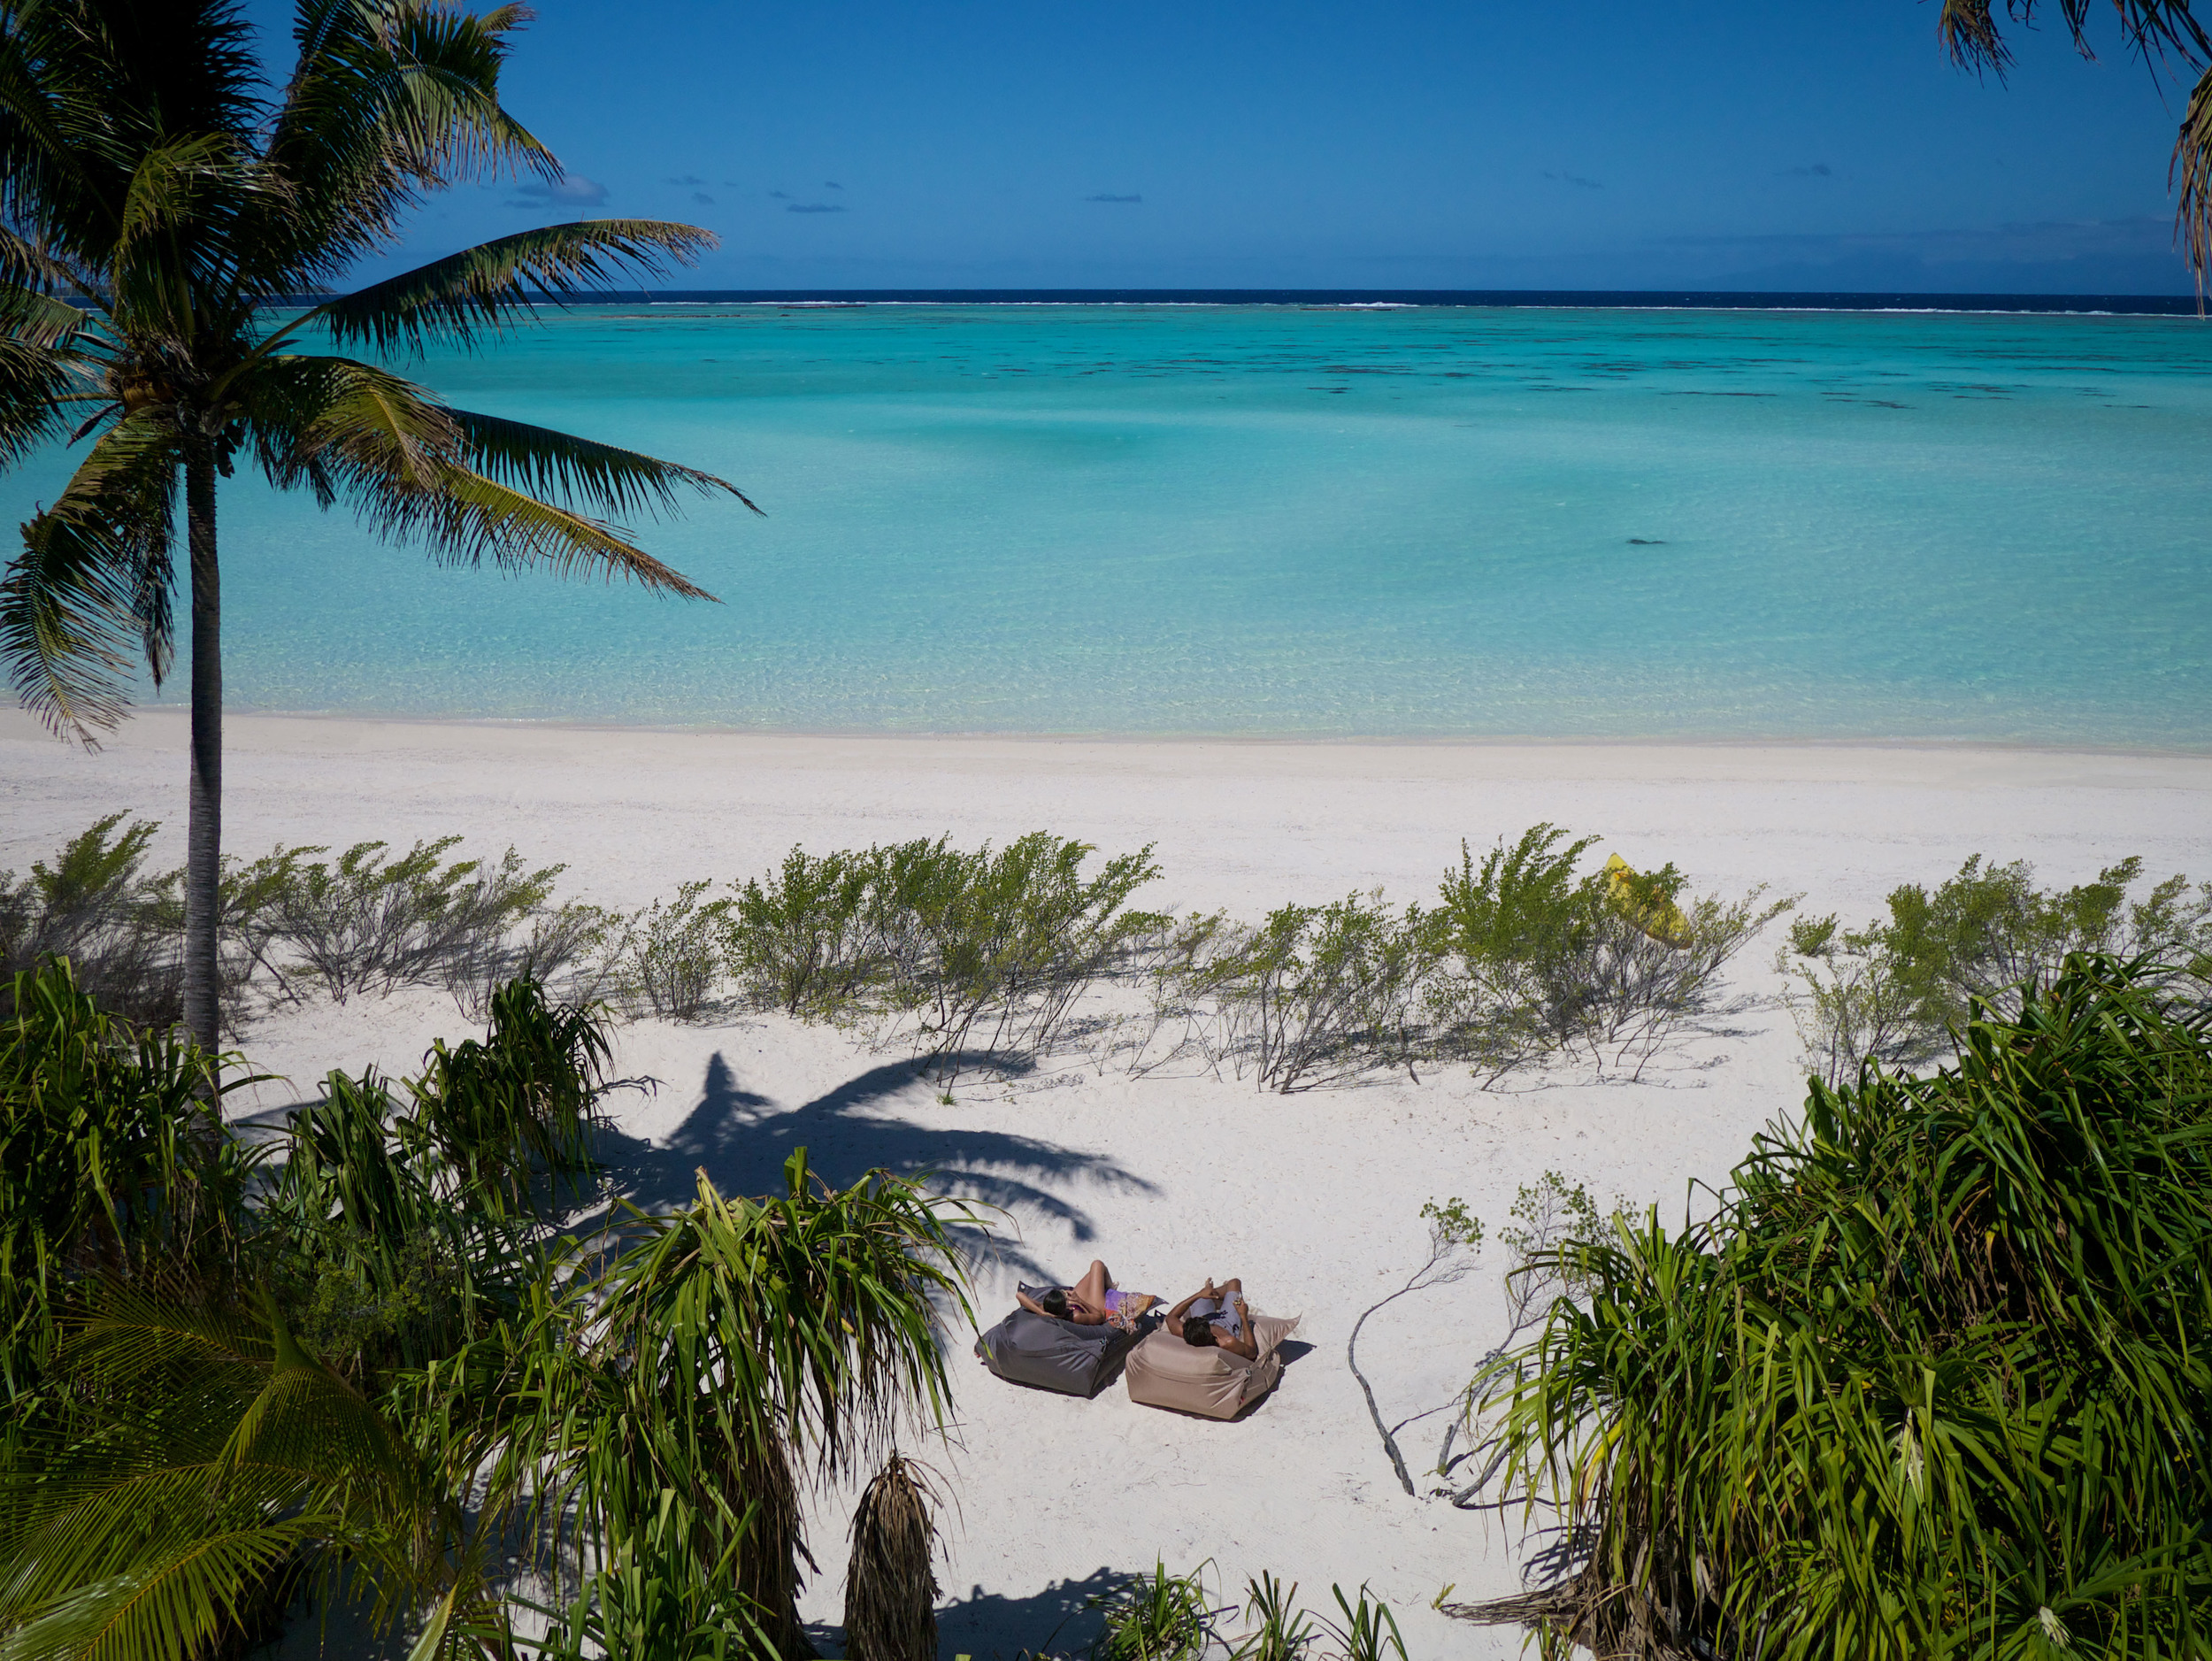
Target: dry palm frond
890, 1593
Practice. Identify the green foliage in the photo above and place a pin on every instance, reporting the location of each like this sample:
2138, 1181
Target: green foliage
201, 1470
807, 941
667, 959
95, 905
1156, 1616
1610, 966
1320, 994
1164, 1617
400, 1235
1929, 1382
372, 921
1369, 1631
664, 1406
1895, 991
524, 1097
113, 1159
383, 1262
1452, 1226
1281, 1630
980, 950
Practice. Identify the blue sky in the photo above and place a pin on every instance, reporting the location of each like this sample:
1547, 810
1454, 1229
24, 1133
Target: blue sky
1581, 143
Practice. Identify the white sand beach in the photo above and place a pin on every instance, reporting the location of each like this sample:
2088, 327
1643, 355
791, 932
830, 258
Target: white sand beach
1313, 1198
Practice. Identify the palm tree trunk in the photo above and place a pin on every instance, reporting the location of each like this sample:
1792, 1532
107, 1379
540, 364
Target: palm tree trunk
204, 835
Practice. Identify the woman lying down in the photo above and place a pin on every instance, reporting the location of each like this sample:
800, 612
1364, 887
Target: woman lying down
1213, 1315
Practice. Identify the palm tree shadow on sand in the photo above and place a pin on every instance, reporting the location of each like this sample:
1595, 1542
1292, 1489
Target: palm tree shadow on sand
741, 1139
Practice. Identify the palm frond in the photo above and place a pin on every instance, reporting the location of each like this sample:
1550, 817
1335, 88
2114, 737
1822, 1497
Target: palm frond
204, 1451
606, 479
92, 582
351, 431
494, 285
44, 362
468, 519
317, 421
2153, 30
387, 102
2190, 176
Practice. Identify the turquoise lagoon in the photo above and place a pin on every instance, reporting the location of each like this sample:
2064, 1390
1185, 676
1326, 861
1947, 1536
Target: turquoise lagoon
1282, 520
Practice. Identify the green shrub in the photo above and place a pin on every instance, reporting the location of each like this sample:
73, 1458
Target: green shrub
525, 1098
113, 1158
371, 921
668, 959
1320, 994
1610, 966
1932, 1381
807, 941
1156, 1616
978, 950
1895, 991
95, 905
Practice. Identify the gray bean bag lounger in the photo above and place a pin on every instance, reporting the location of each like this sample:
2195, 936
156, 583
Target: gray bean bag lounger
1053, 1355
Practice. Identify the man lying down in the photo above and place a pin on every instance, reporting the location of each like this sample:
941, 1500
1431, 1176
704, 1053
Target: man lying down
1217, 1315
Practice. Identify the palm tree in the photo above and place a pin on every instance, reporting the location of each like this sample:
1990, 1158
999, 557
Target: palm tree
156, 195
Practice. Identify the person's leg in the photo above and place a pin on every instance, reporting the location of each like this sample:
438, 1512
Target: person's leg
1232, 1289
1091, 1288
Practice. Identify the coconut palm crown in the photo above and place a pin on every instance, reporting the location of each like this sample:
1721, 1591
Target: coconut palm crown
157, 193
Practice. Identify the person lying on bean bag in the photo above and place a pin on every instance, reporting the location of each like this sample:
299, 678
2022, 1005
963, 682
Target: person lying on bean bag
1092, 1300
1216, 1357
1216, 1315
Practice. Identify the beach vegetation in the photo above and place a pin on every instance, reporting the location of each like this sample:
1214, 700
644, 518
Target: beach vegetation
1320, 995
662, 1412
113, 1159
890, 1585
372, 921
1454, 1240
1156, 1616
1163, 1616
365, 1362
164, 195
1609, 966
96, 905
1279, 1629
1928, 1381
668, 959
969, 953
197, 1471
1897, 990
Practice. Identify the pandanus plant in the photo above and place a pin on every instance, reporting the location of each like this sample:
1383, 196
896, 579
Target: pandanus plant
668, 1410
156, 197
1932, 1381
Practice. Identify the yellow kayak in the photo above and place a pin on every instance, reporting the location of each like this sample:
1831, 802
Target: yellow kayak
1662, 922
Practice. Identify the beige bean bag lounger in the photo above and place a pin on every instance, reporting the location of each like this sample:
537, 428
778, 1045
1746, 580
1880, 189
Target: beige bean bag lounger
1165, 1372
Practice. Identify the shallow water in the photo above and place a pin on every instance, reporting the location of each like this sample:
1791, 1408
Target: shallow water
1268, 519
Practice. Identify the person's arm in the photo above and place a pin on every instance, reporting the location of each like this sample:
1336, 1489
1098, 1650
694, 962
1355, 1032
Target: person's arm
1174, 1317
1030, 1304
1246, 1344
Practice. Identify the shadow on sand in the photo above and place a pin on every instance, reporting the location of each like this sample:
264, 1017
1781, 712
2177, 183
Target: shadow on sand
741, 1140
991, 1626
